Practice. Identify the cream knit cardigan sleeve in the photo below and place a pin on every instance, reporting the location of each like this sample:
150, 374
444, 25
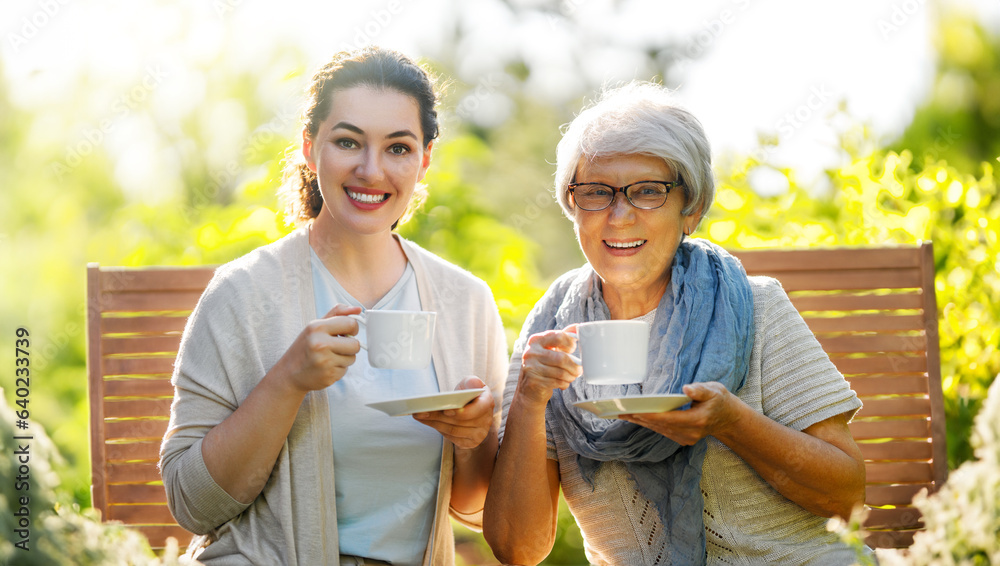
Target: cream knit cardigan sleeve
253, 309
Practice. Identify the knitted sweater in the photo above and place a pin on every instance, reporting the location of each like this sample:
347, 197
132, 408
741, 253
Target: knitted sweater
792, 381
249, 315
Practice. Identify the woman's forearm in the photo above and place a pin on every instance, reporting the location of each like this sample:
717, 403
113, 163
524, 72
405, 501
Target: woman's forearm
471, 477
820, 468
240, 452
519, 522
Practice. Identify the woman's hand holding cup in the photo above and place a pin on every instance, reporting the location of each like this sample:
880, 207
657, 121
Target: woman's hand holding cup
547, 364
322, 352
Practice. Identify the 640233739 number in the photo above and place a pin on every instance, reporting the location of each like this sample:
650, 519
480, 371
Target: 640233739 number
22, 375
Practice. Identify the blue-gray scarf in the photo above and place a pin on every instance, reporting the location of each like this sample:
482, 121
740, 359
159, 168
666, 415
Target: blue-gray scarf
702, 331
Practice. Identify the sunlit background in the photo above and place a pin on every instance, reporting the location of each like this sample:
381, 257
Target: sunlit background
150, 132
745, 67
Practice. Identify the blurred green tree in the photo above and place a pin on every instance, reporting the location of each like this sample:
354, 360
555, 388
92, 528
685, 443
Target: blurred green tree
960, 120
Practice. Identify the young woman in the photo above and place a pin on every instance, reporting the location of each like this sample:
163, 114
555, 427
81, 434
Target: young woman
271, 451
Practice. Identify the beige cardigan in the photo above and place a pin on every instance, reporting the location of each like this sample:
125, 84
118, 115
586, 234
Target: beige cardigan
252, 310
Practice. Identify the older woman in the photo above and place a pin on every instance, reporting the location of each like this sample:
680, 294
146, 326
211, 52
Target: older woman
750, 471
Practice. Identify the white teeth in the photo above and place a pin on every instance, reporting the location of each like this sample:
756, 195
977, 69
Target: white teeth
366, 198
625, 245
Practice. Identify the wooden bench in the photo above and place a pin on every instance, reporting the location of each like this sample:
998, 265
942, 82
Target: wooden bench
873, 310
134, 322
875, 313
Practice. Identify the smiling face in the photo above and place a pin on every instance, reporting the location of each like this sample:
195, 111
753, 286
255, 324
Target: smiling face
631, 249
368, 157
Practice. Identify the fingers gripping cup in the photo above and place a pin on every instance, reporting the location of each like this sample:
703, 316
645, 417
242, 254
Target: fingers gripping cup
613, 351
398, 339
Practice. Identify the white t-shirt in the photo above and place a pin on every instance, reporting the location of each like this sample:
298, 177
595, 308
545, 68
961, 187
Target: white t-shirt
387, 468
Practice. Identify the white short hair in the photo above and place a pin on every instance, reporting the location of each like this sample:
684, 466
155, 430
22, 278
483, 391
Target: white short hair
639, 118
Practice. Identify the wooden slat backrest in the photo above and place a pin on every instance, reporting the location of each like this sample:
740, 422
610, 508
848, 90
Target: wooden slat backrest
134, 322
875, 313
873, 310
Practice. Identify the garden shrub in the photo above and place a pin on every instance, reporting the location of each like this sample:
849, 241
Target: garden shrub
42, 528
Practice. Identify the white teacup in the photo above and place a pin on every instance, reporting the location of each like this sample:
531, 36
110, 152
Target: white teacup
398, 339
613, 351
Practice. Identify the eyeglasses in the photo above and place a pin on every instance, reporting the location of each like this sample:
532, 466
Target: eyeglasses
644, 194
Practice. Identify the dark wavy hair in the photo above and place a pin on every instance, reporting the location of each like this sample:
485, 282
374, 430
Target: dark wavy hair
371, 66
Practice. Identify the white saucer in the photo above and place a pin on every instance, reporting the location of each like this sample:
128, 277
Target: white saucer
427, 403
613, 406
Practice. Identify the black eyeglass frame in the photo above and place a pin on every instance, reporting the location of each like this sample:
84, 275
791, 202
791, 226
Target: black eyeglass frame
669, 185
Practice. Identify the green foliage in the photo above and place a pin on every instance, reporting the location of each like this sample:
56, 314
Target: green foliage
960, 120
883, 199
41, 528
518, 181
457, 223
